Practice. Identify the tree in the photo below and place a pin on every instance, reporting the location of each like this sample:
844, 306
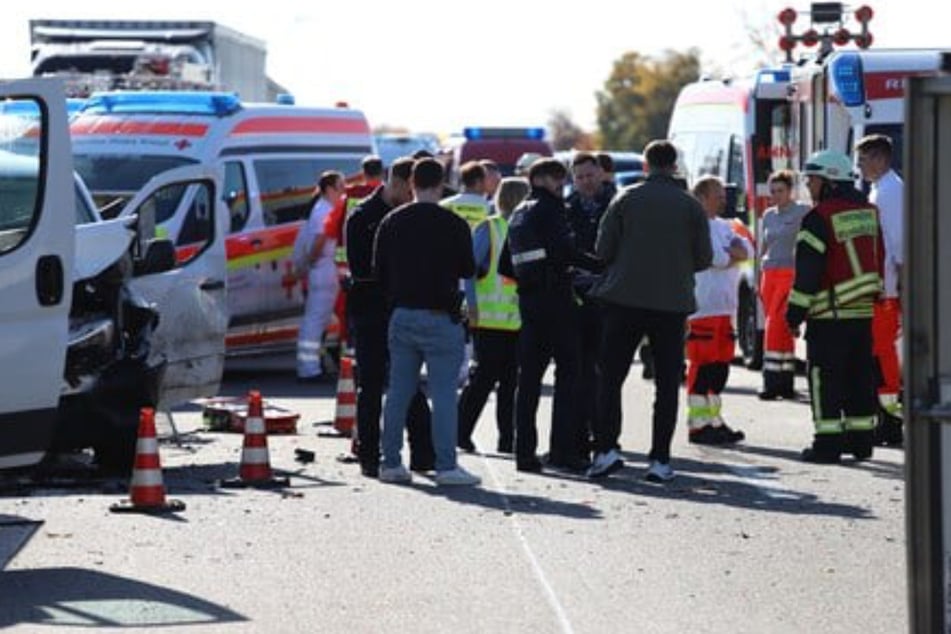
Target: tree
564, 133
638, 97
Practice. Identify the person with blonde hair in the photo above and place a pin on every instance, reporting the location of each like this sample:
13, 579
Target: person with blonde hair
495, 323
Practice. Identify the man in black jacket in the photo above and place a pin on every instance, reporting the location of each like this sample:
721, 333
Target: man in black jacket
586, 205
538, 252
367, 310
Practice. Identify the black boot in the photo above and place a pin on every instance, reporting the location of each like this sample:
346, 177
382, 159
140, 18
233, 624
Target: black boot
859, 444
825, 449
771, 386
889, 430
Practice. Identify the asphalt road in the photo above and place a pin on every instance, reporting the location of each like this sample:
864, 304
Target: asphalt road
743, 540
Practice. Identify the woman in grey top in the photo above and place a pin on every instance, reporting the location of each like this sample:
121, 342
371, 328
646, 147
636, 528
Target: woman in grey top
780, 225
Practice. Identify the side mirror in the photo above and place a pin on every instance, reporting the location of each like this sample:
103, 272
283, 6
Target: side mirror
159, 257
730, 208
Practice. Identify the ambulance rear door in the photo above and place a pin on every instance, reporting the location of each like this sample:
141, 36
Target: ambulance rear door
37, 226
189, 288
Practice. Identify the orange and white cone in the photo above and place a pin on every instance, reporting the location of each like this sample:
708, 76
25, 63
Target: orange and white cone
345, 416
146, 491
255, 469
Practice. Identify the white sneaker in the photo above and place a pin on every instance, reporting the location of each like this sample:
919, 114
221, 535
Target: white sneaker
659, 472
604, 464
397, 474
457, 476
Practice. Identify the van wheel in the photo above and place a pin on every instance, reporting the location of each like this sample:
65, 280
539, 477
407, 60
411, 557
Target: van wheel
750, 337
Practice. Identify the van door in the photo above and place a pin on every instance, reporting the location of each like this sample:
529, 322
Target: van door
36, 255
189, 290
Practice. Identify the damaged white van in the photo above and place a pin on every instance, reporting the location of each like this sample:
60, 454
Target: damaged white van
100, 318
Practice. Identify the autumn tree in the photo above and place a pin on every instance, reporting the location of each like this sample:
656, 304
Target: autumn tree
635, 104
564, 133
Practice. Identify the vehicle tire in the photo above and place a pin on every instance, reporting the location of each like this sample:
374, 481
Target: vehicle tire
750, 338
115, 446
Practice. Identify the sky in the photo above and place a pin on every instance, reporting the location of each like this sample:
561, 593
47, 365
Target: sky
438, 66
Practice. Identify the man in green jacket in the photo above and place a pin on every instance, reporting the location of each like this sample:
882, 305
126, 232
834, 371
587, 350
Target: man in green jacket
652, 238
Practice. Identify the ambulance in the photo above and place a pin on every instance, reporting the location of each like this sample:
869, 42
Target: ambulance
737, 129
838, 99
271, 156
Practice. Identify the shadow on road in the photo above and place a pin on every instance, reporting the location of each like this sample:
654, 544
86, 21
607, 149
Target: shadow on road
508, 502
749, 487
876, 467
77, 597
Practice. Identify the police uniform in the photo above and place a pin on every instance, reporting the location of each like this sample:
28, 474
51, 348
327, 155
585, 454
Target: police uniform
538, 253
838, 279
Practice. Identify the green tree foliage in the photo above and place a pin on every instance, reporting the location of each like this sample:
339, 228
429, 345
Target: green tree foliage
638, 97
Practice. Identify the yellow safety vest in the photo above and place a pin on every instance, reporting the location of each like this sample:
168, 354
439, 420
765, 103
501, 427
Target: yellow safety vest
473, 213
496, 296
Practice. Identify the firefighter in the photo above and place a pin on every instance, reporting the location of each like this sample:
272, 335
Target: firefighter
875, 162
838, 279
780, 225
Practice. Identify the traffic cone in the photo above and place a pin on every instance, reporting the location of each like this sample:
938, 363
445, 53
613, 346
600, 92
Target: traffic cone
345, 416
146, 492
345, 412
255, 469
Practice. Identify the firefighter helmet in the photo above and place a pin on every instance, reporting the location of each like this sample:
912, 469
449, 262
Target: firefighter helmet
829, 164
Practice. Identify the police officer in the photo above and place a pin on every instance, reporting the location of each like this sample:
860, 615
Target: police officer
538, 252
838, 278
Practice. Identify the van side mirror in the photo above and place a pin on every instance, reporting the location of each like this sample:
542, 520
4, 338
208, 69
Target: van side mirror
159, 257
730, 208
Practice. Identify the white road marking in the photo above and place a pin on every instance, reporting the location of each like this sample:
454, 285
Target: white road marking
754, 477
560, 615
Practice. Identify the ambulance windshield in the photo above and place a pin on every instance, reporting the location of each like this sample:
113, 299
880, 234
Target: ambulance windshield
125, 174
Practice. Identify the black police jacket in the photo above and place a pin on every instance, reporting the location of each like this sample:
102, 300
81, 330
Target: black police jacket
540, 247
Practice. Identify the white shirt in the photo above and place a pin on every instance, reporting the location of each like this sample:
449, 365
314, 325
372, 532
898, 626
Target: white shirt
887, 194
315, 227
716, 288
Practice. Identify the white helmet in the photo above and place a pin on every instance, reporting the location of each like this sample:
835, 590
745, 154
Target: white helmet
829, 164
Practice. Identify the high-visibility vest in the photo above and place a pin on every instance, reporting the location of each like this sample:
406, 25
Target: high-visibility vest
471, 212
853, 250
496, 296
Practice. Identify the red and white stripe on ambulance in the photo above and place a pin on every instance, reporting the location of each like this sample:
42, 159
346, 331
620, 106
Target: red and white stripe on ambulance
271, 157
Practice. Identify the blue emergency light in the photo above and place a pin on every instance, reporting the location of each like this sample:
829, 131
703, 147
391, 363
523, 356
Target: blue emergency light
219, 104
848, 79
773, 76
504, 133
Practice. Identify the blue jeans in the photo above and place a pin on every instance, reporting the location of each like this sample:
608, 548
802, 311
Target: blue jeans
417, 336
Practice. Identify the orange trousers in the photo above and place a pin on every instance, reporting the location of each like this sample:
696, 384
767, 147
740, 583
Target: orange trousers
886, 325
775, 286
711, 344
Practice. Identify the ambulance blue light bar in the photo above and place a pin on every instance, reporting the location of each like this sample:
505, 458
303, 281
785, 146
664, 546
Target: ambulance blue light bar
504, 133
218, 104
848, 78
775, 76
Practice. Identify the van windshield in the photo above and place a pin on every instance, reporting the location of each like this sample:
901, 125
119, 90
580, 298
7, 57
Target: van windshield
123, 174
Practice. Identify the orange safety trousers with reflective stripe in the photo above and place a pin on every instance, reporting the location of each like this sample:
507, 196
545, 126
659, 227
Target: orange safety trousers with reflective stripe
775, 286
709, 340
886, 324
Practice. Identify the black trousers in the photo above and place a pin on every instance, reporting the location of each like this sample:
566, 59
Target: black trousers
842, 382
370, 345
549, 331
496, 364
623, 328
589, 327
